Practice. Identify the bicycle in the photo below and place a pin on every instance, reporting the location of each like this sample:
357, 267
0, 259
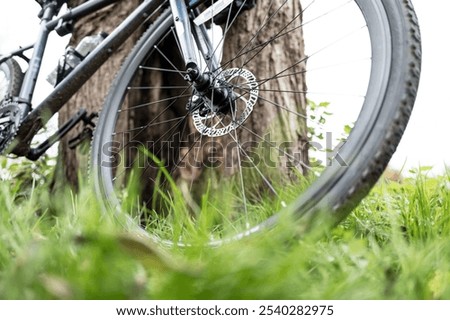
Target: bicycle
231, 147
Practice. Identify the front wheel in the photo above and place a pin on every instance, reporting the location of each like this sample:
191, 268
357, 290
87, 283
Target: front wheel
318, 92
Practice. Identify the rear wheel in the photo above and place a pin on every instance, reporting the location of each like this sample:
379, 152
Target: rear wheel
361, 62
10, 80
11, 77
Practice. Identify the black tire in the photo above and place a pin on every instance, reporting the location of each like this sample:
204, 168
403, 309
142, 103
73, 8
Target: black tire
394, 77
11, 77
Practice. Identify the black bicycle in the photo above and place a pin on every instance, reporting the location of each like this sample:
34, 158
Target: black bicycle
229, 112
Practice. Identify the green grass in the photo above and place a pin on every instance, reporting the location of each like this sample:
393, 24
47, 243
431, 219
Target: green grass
395, 245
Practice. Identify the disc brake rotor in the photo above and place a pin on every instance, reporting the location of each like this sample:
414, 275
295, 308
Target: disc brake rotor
245, 95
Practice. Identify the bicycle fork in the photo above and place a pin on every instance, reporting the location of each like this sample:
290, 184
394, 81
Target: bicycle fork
194, 39
202, 42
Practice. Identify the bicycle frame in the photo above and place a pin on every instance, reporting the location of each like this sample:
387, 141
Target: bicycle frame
35, 119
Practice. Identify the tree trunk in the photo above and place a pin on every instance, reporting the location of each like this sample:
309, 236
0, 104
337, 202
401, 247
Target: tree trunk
273, 59
91, 95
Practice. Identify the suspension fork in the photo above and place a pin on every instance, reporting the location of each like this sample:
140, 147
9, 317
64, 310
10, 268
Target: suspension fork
183, 31
193, 39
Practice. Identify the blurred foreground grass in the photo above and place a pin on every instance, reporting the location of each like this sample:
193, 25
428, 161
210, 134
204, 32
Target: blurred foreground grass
395, 245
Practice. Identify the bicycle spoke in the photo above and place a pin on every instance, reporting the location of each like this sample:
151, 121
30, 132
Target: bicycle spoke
132, 108
263, 45
177, 164
288, 155
168, 133
162, 69
241, 174
159, 88
254, 36
271, 187
147, 126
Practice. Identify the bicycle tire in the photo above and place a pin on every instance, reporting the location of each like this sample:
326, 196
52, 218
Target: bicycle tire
11, 80
394, 78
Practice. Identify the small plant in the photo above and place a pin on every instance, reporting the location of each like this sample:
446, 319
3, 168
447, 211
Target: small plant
318, 114
28, 174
